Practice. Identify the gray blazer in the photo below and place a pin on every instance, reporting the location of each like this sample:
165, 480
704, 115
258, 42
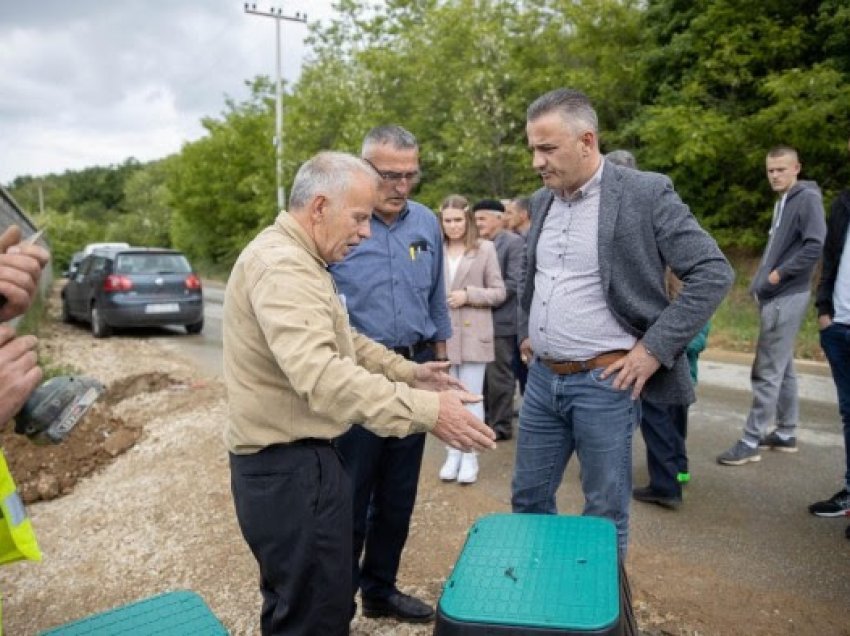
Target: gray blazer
510, 248
643, 227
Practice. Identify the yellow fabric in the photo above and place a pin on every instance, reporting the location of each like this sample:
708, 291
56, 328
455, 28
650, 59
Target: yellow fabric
17, 539
293, 366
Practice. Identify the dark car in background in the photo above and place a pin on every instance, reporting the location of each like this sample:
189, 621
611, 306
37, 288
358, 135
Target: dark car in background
134, 287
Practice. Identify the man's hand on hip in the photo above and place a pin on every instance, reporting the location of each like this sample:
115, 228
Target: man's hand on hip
434, 376
633, 369
459, 428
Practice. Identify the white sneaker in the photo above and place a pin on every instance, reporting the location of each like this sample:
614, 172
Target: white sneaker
468, 473
450, 469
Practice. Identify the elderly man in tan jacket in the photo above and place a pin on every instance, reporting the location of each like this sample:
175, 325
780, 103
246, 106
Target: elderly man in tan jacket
298, 376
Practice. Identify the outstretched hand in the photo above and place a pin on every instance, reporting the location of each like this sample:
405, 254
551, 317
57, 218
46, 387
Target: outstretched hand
459, 428
434, 376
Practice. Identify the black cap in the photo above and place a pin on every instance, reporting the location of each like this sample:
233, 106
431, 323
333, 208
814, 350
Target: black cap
490, 205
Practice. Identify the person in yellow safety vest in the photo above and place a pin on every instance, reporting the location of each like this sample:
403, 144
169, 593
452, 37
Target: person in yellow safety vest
21, 264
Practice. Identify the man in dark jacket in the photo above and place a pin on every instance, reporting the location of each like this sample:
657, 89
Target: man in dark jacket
781, 289
833, 303
500, 379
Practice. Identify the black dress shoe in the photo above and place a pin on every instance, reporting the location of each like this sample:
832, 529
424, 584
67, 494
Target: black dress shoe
648, 495
503, 436
400, 606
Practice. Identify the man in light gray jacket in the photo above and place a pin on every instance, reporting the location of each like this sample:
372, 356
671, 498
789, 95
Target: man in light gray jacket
781, 287
599, 322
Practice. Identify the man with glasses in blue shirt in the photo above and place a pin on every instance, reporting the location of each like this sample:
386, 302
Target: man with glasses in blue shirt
394, 290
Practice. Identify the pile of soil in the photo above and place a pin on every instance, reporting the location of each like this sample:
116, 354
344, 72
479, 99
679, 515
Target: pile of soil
47, 472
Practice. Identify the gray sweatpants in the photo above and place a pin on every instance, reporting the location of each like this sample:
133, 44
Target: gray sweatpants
773, 377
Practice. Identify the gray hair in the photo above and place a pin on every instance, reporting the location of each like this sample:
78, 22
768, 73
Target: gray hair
523, 203
622, 158
573, 106
390, 134
328, 173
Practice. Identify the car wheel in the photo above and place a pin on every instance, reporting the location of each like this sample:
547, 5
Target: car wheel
195, 327
66, 312
99, 328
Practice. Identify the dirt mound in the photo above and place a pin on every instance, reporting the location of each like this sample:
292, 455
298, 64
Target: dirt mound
113, 426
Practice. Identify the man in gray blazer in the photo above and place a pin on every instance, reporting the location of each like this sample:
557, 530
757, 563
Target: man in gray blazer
595, 321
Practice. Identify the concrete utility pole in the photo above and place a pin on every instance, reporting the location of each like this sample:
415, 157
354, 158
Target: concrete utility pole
277, 14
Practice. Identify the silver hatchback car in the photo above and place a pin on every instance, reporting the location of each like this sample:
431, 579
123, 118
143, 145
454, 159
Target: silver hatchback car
134, 287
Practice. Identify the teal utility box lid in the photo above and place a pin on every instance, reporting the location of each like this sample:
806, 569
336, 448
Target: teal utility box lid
180, 613
546, 574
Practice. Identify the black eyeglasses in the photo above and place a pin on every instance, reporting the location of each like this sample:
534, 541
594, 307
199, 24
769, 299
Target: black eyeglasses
396, 177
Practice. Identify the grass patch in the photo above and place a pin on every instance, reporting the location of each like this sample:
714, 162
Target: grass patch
735, 325
32, 323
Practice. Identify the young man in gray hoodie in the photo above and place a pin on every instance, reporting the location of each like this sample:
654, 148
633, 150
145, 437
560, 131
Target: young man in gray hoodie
781, 287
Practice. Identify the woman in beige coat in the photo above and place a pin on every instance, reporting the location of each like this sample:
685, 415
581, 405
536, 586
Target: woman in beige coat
474, 285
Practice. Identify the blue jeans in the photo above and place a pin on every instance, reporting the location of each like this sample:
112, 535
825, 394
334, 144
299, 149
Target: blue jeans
580, 413
835, 342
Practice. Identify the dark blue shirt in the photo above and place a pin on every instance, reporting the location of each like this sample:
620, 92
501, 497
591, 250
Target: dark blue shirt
393, 283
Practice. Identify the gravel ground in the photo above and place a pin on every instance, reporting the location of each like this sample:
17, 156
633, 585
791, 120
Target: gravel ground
154, 514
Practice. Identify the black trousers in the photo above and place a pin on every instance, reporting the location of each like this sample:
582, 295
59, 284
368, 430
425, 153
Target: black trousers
519, 367
500, 384
664, 428
385, 476
293, 504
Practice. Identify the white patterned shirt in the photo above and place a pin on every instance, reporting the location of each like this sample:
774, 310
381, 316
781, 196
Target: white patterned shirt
569, 318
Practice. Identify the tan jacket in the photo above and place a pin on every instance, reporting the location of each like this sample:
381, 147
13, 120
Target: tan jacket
293, 367
472, 325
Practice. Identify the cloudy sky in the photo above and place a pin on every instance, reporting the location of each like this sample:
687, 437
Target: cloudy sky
91, 82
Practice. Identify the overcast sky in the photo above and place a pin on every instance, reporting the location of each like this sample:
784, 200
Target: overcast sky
91, 82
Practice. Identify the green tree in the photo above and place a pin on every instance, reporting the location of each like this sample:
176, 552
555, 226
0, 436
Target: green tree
721, 82
66, 234
462, 85
222, 187
147, 216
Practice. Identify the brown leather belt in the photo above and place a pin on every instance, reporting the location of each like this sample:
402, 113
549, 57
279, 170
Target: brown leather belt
568, 367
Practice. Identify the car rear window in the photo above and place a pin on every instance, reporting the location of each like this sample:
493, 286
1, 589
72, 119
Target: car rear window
152, 264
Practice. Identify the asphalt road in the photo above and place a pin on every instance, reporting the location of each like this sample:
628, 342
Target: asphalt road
749, 523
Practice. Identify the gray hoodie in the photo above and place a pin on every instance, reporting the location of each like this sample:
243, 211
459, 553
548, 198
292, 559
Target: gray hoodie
796, 245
